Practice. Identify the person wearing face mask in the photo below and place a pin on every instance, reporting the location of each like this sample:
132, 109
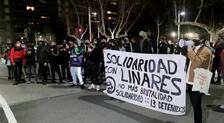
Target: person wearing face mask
64, 56
76, 62
43, 60
200, 56
8, 62
145, 45
54, 60
17, 58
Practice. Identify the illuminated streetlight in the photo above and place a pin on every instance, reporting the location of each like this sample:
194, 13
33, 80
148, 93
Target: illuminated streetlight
173, 34
182, 13
94, 14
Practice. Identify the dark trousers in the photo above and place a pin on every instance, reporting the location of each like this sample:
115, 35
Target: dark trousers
18, 70
31, 71
87, 72
55, 69
43, 69
10, 72
195, 98
65, 69
94, 73
215, 67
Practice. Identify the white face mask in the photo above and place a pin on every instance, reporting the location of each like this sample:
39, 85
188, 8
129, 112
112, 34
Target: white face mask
18, 45
23, 46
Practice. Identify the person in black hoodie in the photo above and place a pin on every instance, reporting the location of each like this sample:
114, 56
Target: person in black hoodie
95, 59
55, 62
30, 60
64, 56
43, 60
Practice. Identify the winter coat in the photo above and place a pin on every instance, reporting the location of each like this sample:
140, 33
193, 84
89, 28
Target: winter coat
222, 64
201, 59
54, 58
42, 54
17, 55
76, 58
64, 56
147, 46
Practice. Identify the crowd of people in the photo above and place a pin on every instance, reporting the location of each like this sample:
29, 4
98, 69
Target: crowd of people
73, 60
80, 62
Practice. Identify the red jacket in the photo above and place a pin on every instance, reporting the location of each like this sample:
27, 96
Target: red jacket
17, 53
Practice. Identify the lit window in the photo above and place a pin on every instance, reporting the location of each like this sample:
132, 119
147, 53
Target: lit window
30, 8
109, 12
43, 17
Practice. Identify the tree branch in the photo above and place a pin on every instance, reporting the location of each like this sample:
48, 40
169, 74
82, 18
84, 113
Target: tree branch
200, 10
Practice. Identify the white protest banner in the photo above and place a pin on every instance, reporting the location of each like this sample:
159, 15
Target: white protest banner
153, 81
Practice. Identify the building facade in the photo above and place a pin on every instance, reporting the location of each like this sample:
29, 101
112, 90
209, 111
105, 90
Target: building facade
5, 21
22, 19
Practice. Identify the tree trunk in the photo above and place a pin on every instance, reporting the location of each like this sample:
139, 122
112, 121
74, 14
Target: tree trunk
158, 35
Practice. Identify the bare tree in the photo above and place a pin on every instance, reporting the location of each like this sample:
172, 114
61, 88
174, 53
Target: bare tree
123, 21
159, 22
72, 16
211, 29
200, 10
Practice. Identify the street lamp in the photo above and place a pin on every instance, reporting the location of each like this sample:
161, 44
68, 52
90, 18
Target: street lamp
94, 14
178, 24
173, 34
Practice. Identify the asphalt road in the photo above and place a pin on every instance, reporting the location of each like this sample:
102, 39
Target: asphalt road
95, 107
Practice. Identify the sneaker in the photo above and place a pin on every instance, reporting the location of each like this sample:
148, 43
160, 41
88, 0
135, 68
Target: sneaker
92, 86
73, 85
98, 88
82, 86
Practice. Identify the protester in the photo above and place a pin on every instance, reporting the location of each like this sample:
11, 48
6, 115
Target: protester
43, 60
222, 67
64, 58
54, 60
87, 63
96, 64
219, 46
200, 57
17, 58
128, 45
76, 62
144, 44
30, 61
163, 46
8, 62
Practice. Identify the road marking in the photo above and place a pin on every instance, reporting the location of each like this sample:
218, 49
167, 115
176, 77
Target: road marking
8, 112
